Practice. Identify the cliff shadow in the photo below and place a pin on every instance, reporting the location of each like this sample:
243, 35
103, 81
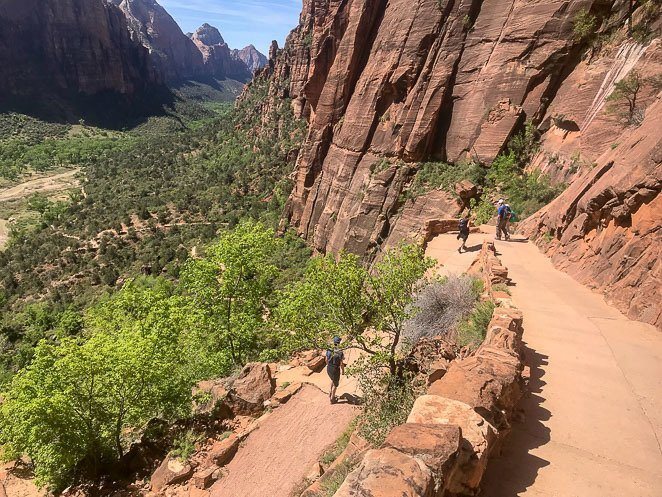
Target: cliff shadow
515, 469
109, 110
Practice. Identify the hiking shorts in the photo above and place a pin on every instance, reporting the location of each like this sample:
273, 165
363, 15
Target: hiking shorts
334, 374
463, 235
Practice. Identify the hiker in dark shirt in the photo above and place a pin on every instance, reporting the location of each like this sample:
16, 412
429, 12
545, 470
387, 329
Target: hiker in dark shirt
335, 366
463, 227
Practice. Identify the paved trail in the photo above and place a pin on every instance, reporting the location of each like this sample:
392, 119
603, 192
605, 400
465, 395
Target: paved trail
594, 419
280, 453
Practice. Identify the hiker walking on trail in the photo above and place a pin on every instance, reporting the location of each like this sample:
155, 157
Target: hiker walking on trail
463, 227
335, 366
503, 216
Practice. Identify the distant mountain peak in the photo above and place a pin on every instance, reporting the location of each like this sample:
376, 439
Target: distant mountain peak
209, 35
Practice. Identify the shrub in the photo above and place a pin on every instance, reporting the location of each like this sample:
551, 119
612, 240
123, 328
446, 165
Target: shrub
387, 402
584, 25
332, 453
183, 446
441, 306
330, 485
472, 332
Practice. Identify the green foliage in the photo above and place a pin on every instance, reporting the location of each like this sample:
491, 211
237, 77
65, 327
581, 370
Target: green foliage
338, 296
332, 453
331, 484
71, 406
387, 402
584, 25
623, 103
183, 446
435, 175
501, 287
472, 332
230, 287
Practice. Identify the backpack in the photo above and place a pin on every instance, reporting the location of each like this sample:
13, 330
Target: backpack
335, 358
463, 225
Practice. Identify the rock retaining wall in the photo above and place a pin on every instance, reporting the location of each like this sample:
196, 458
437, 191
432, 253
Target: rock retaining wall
454, 429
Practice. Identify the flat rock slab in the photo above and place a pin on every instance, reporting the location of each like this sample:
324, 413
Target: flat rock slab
276, 456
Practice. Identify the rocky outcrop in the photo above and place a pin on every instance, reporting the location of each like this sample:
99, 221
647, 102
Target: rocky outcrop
454, 429
171, 51
69, 46
252, 57
217, 57
605, 230
437, 79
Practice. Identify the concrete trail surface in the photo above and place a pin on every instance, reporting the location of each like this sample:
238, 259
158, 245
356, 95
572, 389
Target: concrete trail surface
593, 420
279, 454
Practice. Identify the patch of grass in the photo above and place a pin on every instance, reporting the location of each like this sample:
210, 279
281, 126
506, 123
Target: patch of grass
435, 175
331, 485
501, 287
472, 332
332, 453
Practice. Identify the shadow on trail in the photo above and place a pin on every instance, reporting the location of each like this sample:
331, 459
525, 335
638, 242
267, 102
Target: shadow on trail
351, 399
515, 469
474, 248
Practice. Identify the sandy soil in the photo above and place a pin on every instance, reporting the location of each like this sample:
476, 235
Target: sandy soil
45, 184
280, 453
593, 421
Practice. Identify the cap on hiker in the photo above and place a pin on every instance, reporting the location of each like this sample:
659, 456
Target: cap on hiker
336, 340
500, 201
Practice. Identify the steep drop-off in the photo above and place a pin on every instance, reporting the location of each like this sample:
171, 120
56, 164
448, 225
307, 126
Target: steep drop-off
387, 85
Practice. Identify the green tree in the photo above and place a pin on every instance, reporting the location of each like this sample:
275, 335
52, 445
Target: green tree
231, 285
584, 25
624, 96
69, 409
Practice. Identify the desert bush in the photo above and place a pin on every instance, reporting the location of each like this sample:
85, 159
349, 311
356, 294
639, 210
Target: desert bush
441, 306
331, 484
387, 402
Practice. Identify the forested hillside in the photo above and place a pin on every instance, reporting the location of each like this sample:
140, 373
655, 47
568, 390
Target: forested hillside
147, 198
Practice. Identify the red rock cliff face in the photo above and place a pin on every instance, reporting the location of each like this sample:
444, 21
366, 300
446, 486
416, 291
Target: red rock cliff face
387, 84
404, 81
78, 46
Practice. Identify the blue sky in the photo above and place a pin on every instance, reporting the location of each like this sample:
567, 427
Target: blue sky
241, 22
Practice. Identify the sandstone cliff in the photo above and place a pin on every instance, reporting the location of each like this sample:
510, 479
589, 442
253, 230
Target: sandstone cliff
76, 46
171, 51
387, 85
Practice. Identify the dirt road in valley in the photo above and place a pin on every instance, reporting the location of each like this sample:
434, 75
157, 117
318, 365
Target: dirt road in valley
281, 452
593, 421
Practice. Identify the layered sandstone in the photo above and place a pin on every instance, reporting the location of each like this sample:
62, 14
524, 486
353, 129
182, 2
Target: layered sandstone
605, 229
216, 54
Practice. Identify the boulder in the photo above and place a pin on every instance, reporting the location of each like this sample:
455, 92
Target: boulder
209, 398
204, 478
284, 395
172, 471
222, 451
437, 370
388, 473
435, 444
478, 437
251, 389
466, 190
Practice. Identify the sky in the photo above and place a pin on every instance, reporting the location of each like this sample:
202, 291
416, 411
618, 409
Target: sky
241, 22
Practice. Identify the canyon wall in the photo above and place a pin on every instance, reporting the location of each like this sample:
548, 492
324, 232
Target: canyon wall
387, 85
69, 45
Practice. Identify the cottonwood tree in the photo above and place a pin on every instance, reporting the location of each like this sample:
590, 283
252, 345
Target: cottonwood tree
230, 287
69, 409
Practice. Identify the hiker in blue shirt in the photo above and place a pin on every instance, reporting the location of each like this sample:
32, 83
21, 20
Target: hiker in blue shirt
335, 366
503, 216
